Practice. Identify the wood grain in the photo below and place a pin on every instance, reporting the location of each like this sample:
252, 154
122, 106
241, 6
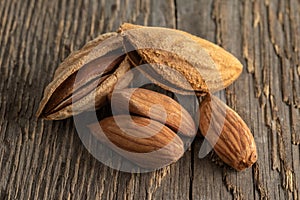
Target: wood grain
46, 160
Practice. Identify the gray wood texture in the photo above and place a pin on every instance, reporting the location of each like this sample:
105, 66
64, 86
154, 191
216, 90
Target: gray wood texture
46, 159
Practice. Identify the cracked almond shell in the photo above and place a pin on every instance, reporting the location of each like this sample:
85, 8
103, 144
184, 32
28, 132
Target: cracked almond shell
84, 79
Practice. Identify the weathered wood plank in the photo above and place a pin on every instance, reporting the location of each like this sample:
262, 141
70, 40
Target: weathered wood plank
46, 160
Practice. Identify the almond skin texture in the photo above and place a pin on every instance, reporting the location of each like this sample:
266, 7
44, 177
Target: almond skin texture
156, 106
185, 61
227, 133
145, 142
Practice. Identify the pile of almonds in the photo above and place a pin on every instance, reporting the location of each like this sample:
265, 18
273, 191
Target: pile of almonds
140, 130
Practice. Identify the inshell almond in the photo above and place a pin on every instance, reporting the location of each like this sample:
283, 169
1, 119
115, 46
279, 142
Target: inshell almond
201, 66
83, 72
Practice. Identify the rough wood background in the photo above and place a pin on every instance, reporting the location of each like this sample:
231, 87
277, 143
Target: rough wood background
46, 160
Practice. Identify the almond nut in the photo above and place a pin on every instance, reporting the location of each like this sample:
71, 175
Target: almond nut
143, 141
156, 106
234, 144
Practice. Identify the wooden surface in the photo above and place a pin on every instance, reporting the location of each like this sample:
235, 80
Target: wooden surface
46, 160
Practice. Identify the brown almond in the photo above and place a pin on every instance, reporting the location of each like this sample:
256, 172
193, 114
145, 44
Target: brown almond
143, 141
156, 106
227, 133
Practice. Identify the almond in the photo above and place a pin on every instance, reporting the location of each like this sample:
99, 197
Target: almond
180, 62
143, 141
156, 106
227, 133
79, 81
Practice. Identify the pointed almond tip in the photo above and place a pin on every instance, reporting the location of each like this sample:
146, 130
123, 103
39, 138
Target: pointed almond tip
231, 68
253, 157
125, 26
38, 113
41, 115
128, 26
238, 67
245, 164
